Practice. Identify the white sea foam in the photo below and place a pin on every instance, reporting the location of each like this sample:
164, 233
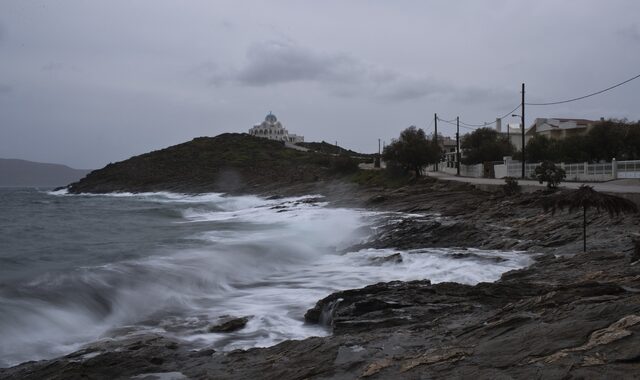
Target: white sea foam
270, 259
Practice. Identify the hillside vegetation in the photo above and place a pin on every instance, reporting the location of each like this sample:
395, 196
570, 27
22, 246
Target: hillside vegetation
229, 162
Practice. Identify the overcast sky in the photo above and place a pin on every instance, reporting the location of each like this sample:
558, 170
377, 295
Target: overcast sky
85, 83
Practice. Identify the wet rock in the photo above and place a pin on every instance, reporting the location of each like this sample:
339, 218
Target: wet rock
377, 199
396, 258
569, 315
229, 325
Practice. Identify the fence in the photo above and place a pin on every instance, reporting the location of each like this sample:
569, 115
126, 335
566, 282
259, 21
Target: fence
582, 171
514, 169
476, 171
628, 169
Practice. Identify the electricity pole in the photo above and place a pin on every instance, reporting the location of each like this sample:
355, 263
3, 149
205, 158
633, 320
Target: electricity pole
435, 137
522, 116
458, 146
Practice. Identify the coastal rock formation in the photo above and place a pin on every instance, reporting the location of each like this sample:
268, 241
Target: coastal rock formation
575, 317
229, 324
566, 316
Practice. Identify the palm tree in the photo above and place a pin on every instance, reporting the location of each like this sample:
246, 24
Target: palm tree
585, 198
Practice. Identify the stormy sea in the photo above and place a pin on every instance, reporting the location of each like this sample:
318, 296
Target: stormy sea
76, 269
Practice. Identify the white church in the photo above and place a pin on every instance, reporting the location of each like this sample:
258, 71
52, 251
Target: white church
272, 129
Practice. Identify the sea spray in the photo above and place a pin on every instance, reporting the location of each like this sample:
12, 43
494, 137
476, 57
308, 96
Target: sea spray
86, 267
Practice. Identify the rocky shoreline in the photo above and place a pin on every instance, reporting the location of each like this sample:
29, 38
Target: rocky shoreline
569, 315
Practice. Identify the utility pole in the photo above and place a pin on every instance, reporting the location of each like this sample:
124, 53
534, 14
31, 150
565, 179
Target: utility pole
522, 116
458, 146
435, 137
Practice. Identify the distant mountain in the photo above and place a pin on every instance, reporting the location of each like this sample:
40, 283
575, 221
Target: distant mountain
21, 173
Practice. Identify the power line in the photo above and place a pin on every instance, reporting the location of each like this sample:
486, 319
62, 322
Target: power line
430, 124
454, 124
477, 125
448, 121
486, 124
585, 96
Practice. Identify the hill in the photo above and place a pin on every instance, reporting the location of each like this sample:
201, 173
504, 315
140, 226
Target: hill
22, 173
325, 147
230, 162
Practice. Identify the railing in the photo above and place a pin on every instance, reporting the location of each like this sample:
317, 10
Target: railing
515, 169
628, 166
598, 169
574, 169
574, 172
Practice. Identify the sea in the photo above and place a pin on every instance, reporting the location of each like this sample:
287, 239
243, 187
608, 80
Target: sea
78, 269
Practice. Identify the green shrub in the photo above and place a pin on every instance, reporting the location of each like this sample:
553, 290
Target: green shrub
510, 186
343, 164
550, 173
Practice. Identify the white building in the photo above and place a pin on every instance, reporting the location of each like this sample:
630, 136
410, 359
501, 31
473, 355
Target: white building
511, 132
558, 129
272, 129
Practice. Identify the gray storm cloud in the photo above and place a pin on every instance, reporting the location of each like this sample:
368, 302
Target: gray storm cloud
631, 32
88, 83
274, 63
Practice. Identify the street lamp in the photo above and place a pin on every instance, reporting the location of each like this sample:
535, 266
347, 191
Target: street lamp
522, 129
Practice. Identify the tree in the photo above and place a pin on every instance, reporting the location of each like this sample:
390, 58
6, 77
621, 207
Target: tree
606, 140
411, 151
485, 145
550, 173
573, 149
586, 198
541, 148
631, 150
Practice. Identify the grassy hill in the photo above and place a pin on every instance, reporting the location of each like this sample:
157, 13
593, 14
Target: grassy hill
229, 162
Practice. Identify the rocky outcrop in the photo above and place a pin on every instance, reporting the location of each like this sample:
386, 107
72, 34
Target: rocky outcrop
566, 317
229, 324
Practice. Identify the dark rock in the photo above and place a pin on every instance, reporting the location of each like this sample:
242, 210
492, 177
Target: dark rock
377, 199
229, 325
396, 258
567, 316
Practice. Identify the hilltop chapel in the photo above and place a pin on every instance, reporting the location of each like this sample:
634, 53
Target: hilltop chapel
272, 129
